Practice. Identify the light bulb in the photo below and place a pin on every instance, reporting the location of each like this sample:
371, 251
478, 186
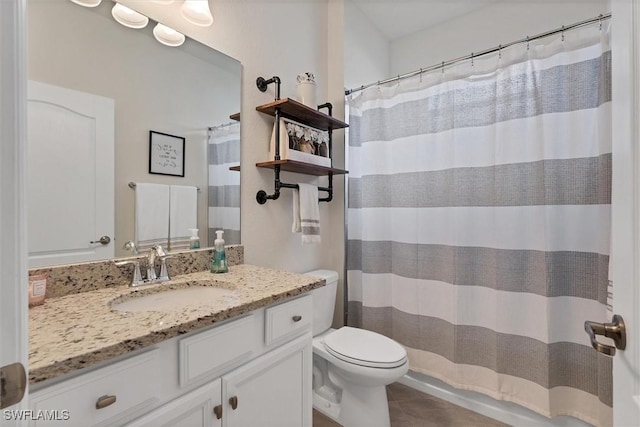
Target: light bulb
87, 3
168, 36
129, 17
197, 12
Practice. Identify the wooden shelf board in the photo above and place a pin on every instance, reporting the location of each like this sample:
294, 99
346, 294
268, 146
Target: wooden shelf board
301, 167
235, 168
235, 117
302, 113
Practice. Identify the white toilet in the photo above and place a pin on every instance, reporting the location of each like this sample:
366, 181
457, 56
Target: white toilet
351, 366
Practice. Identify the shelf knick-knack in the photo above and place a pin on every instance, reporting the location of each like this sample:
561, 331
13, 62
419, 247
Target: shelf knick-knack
306, 90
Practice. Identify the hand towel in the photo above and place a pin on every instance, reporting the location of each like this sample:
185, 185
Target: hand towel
306, 214
183, 215
151, 215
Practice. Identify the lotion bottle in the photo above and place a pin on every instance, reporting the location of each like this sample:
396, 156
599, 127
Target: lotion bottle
219, 258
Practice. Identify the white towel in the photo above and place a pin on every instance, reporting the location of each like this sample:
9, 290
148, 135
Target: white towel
152, 215
183, 215
306, 214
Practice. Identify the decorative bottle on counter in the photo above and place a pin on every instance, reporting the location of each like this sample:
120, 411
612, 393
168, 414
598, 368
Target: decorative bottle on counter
219, 258
194, 240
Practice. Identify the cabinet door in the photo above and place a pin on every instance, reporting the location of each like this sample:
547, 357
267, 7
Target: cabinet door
194, 409
271, 391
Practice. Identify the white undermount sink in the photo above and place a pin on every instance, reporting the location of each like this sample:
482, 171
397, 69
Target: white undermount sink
173, 299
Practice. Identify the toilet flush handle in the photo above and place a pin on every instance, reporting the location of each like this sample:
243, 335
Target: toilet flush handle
296, 318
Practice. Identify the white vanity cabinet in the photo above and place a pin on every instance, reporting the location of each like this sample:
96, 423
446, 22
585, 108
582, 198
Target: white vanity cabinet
271, 391
195, 409
250, 371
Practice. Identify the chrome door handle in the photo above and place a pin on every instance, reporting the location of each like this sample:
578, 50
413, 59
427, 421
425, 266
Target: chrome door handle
104, 240
614, 330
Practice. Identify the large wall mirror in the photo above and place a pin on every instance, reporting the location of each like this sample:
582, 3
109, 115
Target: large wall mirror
188, 91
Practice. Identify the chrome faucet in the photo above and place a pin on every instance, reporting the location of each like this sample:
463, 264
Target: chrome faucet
156, 251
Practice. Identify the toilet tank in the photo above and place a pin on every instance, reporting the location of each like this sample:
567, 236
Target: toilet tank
324, 300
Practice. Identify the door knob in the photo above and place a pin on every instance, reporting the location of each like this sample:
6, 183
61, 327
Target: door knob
13, 383
614, 330
104, 240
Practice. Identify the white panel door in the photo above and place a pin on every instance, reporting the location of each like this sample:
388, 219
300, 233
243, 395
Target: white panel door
70, 175
625, 207
13, 254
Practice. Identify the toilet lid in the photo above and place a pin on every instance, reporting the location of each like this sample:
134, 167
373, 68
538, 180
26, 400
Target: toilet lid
365, 348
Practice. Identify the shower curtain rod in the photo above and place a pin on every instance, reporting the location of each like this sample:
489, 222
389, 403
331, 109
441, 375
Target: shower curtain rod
473, 55
211, 128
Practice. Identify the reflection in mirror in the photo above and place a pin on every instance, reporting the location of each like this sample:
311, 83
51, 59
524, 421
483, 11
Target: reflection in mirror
188, 91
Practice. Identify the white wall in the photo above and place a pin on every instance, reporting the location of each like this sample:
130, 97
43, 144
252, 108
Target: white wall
179, 91
366, 49
486, 28
276, 38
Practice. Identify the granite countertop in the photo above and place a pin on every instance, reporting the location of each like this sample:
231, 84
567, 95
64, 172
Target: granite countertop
78, 330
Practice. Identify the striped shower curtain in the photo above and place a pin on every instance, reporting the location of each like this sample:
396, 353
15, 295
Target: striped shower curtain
479, 221
224, 184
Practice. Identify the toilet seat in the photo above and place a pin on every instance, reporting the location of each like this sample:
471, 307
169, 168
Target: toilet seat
365, 348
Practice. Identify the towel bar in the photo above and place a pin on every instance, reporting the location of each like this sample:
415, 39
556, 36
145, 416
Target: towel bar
132, 185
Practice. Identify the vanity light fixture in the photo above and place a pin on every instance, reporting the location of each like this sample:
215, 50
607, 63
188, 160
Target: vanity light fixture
197, 12
129, 17
168, 36
87, 3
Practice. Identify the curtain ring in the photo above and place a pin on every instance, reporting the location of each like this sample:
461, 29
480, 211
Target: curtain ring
398, 80
600, 21
527, 42
499, 51
420, 75
563, 33
442, 68
472, 59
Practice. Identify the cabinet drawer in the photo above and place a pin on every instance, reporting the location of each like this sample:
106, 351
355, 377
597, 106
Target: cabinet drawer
288, 319
213, 352
122, 390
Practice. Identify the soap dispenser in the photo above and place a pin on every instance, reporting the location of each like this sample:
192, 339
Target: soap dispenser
219, 258
194, 240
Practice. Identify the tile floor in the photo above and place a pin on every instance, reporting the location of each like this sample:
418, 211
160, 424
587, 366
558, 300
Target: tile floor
411, 408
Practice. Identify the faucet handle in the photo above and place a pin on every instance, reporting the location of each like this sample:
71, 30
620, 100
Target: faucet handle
164, 270
137, 276
131, 246
160, 250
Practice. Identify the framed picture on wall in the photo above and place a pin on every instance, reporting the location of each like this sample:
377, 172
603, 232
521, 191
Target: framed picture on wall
166, 154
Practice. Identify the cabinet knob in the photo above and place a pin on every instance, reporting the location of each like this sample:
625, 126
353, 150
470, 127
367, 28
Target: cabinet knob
233, 401
296, 318
217, 410
105, 401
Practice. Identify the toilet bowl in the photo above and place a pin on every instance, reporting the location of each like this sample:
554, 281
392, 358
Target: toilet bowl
351, 366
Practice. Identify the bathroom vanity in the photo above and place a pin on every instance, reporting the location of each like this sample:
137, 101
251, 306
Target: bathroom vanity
240, 359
